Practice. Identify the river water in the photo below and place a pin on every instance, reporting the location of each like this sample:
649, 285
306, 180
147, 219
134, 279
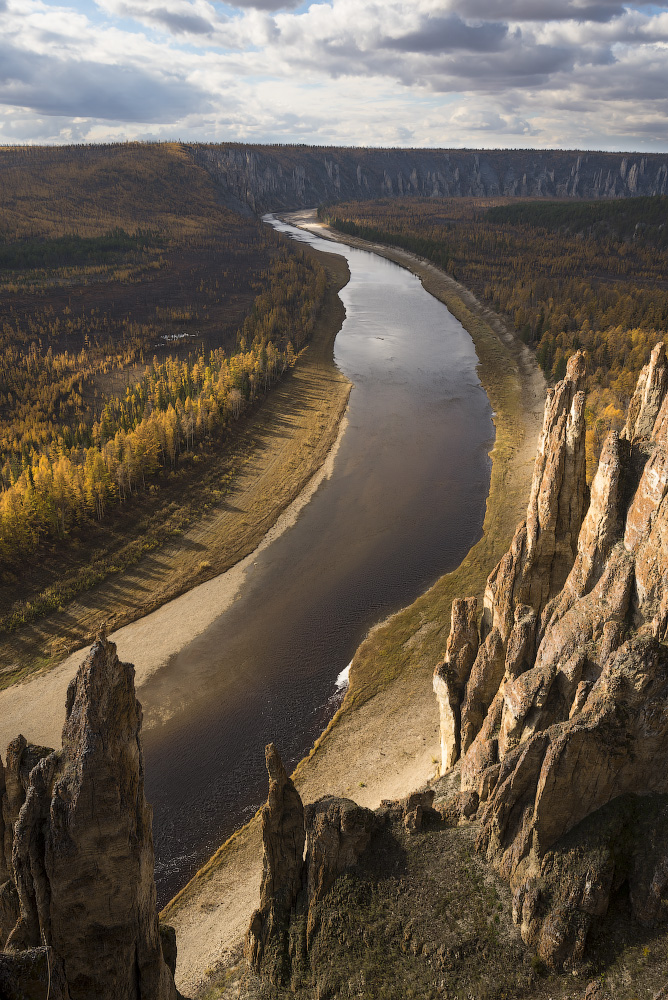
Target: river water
404, 504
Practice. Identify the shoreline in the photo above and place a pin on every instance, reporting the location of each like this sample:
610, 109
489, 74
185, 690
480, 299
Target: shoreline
374, 748
277, 480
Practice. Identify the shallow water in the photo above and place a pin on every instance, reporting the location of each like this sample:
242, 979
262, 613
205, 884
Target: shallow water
404, 504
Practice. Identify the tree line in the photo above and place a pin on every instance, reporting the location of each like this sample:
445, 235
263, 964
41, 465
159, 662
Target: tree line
68, 474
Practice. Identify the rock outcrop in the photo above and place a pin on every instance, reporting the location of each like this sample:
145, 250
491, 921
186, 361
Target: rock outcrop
451, 676
283, 837
336, 831
564, 720
266, 178
81, 844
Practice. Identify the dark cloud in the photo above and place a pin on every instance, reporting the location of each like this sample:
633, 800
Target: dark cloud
3, 5
521, 68
180, 24
540, 10
266, 4
90, 90
445, 34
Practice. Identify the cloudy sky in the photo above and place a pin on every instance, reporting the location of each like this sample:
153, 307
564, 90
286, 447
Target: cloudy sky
517, 73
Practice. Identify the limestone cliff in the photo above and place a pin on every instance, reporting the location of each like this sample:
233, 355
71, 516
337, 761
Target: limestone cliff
268, 178
80, 867
564, 718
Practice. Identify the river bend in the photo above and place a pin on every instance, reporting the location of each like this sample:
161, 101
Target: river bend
404, 504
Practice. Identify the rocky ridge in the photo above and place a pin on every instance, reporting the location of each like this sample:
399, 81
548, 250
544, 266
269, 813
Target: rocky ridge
78, 912
559, 707
266, 178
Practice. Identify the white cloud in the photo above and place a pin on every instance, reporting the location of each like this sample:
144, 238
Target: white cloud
426, 72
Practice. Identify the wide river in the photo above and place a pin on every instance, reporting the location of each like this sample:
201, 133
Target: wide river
405, 502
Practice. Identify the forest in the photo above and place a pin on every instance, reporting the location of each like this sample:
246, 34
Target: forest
568, 275
138, 317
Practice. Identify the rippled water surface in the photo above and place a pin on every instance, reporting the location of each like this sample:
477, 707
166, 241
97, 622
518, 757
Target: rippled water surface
404, 504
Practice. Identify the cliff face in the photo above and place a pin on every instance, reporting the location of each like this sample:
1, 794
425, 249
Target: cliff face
265, 178
564, 715
78, 856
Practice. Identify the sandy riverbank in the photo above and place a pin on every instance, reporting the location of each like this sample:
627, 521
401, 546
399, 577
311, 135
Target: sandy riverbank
282, 470
384, 741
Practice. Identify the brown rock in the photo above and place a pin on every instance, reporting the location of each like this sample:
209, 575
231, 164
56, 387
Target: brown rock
648, 498
599, 532
521, 642
83, 850
647, 398
283, 837
338, 831
9, 910
479, 768
451, 676
486, 676
34, 974
545, 694
646, 537
544, 547
5, 864
564, 731
21, 758
416, 808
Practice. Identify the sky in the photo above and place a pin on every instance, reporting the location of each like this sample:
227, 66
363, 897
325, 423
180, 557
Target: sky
442, 73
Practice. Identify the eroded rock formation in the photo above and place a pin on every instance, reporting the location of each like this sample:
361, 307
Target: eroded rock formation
564, 720
451, 676
78, 846
336, 831
283, 837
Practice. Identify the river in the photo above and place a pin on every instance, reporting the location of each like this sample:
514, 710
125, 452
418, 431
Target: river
405, 502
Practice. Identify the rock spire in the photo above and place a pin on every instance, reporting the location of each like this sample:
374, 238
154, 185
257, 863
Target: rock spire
565, 712
81, 868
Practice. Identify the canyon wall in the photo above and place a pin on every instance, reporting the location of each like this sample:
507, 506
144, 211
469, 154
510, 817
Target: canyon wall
270, 178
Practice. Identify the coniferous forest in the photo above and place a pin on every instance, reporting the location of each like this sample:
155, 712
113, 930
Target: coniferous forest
569, 275
138, 316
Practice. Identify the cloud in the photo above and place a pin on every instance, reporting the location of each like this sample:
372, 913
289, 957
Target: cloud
180, 17
85, 89
268, 4
181, 23
443, 34
396, 72
540, 10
